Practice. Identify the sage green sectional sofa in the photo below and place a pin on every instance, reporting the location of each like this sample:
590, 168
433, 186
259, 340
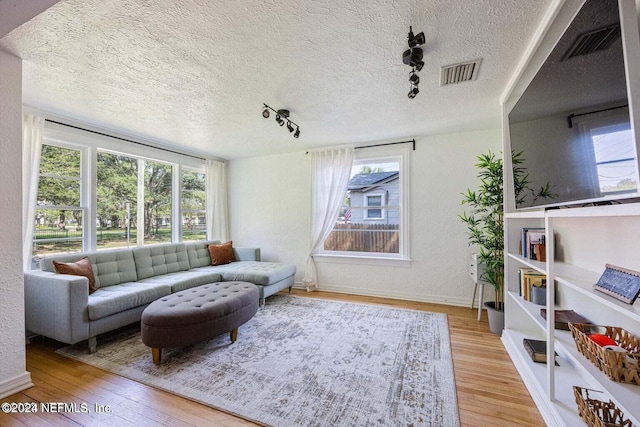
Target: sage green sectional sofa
59, 306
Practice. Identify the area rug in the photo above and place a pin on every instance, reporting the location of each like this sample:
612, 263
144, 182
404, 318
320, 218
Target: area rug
306, 362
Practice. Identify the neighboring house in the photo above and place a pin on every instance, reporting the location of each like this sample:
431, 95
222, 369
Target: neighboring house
377, 194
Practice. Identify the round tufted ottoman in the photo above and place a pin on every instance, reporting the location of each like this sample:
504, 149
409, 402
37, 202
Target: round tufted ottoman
197, 314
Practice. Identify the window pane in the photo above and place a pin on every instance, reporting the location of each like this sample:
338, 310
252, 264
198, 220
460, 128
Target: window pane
117, 189
59, 183
360, 228
194, 225
157, 203
58, 192
57, 231
60, 161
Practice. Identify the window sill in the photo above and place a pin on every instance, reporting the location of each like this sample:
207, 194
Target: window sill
362, 260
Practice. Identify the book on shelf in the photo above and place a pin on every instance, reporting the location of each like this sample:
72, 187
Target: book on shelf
530, 278
564, 317
531, 238
620, 283
537, 349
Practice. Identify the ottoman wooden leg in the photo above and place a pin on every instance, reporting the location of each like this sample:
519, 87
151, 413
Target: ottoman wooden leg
234, 335
156, 354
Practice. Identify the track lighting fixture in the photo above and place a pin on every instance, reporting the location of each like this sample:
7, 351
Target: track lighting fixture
413, 57
282, 116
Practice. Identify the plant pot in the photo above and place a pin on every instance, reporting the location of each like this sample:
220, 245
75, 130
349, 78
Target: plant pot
496, 318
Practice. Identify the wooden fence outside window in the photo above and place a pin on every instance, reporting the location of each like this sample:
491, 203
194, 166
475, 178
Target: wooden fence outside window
381, 238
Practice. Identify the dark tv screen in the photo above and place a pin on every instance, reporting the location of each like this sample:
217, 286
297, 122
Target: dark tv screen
571, 123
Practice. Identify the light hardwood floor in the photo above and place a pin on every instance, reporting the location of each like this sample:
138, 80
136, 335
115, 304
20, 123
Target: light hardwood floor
490, 392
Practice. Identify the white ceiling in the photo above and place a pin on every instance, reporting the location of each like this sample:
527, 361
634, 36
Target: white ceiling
193, 74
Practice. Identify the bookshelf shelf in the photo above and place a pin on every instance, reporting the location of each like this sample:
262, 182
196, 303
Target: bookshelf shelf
582, 281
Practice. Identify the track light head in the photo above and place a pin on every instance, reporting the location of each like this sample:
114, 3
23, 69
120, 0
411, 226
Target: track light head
414, 79
265, 113
297, 134
289, 126
412, 56
279, 120
416, 40
413, 92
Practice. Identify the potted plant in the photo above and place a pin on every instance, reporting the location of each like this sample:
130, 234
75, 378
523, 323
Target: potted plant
485, 223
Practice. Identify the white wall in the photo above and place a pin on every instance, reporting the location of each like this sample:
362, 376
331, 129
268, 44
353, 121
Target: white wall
269, 204
13, 376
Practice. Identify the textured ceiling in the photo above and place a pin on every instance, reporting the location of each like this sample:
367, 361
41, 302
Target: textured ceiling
194, 74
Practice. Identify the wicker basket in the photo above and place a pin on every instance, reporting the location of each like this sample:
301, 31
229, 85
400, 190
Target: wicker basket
618, 366
597, 413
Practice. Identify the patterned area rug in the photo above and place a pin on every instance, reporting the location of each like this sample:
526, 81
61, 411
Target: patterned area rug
306, 362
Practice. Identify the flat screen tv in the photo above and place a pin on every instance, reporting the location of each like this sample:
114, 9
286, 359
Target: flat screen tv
572, 122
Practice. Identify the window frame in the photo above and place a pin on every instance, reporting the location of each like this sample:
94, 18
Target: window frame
82, 207
402, 259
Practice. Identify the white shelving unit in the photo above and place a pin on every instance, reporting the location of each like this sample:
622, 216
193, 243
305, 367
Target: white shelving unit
580, 241
552, 386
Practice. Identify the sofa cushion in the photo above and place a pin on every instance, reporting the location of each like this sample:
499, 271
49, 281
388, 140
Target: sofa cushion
109, 267
82, 267
221, 254
118, 298
258, 272
198, 253
160, 259
182, 280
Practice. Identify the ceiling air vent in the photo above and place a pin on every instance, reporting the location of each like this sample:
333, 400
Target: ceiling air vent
593, 41
458, 73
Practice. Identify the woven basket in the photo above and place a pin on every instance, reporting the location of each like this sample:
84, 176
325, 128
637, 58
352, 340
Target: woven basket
618, 366
597, 413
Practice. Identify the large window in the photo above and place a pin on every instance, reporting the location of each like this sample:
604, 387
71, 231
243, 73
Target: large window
372, 222
93, 198
59, 215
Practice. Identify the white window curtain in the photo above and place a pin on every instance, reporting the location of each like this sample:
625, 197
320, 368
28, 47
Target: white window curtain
217, 202
32, 130
330, 172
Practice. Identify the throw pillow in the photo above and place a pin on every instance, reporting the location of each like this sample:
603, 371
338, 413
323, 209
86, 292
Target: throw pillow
221, 254
82, 267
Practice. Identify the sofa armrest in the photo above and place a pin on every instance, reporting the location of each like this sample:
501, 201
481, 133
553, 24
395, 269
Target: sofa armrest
56, 305
247, 254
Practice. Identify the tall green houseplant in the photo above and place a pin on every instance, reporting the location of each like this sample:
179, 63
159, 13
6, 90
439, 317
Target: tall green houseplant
485, 222
485, 217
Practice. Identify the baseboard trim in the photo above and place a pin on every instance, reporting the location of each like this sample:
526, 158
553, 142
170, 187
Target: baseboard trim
433, 299
15, 384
